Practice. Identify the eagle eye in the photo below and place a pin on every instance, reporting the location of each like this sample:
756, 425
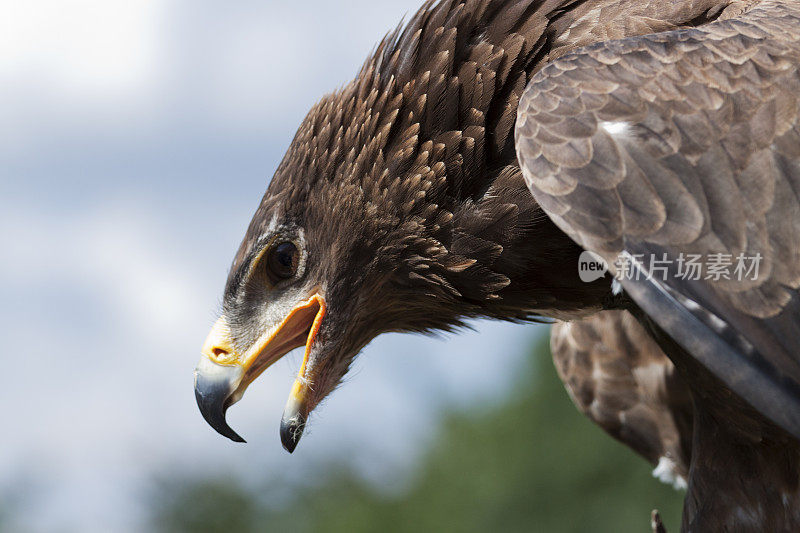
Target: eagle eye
282, 261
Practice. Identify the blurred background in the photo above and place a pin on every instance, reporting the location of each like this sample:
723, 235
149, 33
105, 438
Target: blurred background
136, 139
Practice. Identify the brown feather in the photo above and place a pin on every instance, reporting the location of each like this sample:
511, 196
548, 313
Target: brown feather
619, 377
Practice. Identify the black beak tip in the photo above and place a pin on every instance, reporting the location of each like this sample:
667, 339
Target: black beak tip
235, 437
213, 408
291, 431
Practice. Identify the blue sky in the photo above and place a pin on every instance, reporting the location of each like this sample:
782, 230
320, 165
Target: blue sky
136, 139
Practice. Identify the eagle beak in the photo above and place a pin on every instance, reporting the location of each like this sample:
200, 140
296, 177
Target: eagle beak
223, 374
295, 414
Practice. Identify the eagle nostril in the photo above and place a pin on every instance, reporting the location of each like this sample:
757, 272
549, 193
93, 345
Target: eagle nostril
218, 352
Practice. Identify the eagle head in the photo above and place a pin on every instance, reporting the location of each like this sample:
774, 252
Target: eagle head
354, 237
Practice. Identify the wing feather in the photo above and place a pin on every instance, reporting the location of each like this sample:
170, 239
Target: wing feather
687, 142
619, 378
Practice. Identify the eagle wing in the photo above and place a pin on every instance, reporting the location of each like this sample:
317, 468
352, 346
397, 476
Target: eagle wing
680, 148
619, 378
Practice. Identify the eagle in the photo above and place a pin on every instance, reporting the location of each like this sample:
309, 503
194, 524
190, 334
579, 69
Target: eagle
627, 168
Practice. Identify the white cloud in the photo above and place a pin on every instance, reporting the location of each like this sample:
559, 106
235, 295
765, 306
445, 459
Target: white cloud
75, 65
88, 47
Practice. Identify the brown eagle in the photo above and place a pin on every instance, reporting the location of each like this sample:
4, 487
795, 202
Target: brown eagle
482, 152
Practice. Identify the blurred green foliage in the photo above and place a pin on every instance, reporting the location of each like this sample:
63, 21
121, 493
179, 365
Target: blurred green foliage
529, 463
5, 510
